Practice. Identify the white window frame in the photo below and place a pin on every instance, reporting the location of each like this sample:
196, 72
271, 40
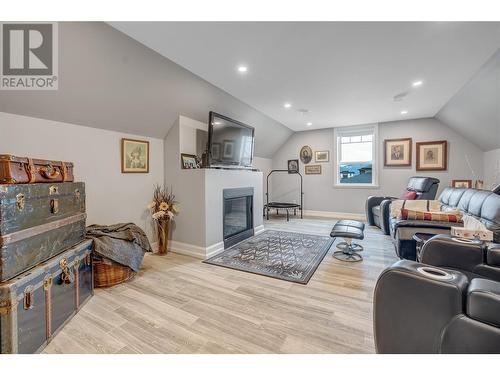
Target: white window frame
350, 131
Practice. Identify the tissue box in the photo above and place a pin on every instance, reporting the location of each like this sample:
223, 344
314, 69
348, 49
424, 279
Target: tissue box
483, 235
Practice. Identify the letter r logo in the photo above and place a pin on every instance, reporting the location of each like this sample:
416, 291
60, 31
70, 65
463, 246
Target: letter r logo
27, 49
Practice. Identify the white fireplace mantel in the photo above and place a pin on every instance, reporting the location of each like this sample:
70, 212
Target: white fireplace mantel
198, 229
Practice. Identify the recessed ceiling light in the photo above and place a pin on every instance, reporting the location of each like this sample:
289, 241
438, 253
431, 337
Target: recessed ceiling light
287, 105
309, 123
217, 123
242, 69
417, 83
404, 112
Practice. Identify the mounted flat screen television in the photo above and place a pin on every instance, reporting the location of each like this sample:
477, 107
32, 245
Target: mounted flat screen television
230, 142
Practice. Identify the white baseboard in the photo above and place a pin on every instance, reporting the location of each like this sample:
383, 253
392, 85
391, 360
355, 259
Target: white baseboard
335, 215
199, 252
259, 229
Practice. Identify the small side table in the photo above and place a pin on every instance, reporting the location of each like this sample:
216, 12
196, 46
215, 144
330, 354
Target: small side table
420, 240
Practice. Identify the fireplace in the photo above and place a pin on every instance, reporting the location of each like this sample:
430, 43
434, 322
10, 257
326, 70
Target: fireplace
237, 215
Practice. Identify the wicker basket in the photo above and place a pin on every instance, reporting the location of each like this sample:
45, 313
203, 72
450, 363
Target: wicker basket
108, 273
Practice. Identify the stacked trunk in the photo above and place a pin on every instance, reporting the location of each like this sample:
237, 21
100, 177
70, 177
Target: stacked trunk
45, 263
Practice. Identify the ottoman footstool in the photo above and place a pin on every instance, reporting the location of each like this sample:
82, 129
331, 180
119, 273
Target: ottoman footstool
349, 230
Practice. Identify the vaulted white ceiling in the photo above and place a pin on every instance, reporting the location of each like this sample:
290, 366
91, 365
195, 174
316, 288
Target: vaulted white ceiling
343, 73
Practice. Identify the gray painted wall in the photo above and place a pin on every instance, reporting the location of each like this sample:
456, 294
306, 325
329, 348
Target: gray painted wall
491, 168
320, 195
110, 81
475, 110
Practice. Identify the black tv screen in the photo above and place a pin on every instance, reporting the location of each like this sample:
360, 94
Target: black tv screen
230, 142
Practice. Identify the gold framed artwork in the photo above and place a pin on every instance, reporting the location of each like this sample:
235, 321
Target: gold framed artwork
432, 156
313, 169
397, 152
135, 156
322, 156
461, 184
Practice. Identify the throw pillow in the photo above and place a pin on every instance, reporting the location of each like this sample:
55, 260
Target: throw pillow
409, 195
448, 217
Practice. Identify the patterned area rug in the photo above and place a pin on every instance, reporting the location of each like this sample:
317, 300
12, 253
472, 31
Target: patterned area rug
282, 255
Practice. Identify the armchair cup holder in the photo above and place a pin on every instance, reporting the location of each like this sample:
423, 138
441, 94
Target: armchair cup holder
435, 273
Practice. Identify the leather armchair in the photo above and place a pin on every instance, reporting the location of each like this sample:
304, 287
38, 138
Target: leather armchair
423, 309
378, 208
472, 259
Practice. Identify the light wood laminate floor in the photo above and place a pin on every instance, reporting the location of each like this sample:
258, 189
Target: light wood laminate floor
177, 304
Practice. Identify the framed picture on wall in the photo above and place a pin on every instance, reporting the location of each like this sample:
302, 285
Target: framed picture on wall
461, 184
397, 152
135, 156
432, 156
322, 156
313, 169
293, 166
306, 154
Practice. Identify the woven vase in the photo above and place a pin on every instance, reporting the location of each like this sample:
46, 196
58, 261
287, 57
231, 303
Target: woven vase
163, 229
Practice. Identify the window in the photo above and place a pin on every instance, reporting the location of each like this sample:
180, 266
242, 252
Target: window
356, 156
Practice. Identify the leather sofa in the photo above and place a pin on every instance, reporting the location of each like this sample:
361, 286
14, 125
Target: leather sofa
481, 204
423, 309
378, 208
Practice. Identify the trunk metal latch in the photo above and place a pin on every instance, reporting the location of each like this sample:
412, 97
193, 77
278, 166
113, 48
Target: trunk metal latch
20, 201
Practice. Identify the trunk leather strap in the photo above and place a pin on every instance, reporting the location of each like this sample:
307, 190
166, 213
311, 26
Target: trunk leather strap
64, 172
77, 283
31, 171
47, 286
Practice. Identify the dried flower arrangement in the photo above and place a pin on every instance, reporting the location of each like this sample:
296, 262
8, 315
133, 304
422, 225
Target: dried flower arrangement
163, 209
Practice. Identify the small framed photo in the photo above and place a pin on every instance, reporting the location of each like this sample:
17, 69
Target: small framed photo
461, 184
135, 156
432, 156
188, 161
313, 169
293, 166
397, 152
322, 156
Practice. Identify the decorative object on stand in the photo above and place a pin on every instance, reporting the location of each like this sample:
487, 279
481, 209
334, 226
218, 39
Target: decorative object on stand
322, 156
163, 209
397, 152
188, 161
135, 156
313, 169
461, 184
479, 184
306, 154
293, 166
432, 156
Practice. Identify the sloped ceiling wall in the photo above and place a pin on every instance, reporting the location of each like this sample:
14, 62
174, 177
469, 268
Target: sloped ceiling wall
474, 111
108, 80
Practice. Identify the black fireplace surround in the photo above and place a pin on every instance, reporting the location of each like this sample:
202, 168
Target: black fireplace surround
237, 215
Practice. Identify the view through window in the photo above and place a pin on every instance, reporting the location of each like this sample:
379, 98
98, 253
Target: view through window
355, 156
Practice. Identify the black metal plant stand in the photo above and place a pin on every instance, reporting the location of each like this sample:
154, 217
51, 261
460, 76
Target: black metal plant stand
283, 205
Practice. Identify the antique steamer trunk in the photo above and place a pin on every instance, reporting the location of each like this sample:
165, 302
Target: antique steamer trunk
21, 170
37, 222
36, 304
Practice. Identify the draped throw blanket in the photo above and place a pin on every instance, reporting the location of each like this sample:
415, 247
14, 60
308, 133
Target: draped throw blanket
122, 243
